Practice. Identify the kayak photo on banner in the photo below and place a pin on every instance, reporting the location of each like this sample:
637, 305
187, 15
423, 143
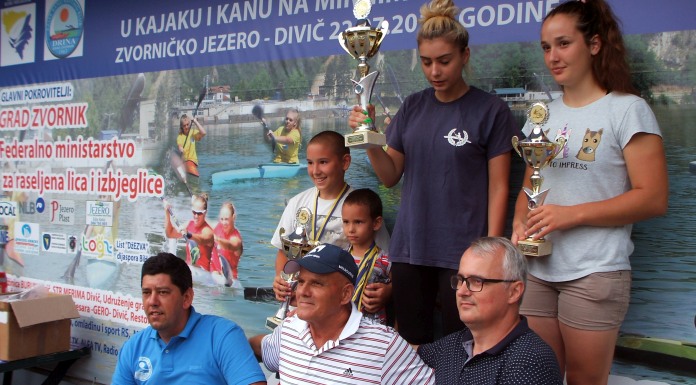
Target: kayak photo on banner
156, 126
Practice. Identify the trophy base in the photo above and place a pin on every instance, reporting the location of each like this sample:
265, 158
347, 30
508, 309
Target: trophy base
534, 248
273, 322
365, 139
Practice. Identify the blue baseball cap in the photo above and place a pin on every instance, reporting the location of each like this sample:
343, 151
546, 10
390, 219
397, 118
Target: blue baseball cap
326, 259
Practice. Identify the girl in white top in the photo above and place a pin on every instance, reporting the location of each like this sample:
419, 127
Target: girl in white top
611, 174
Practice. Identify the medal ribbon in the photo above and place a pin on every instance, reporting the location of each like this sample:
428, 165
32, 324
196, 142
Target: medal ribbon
367, 264
316, 238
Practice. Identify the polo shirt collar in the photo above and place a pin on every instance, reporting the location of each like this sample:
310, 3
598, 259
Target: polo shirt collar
194, 317
350, 328
353, 323
521, 328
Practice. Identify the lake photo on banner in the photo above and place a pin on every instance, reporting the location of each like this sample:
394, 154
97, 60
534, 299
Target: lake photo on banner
664, 261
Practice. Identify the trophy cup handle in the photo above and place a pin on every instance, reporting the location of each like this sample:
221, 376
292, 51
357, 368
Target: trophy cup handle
342, 42
515, 145
384, 28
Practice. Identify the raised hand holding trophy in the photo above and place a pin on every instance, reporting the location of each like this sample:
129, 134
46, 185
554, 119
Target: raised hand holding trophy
296, 245
537, 151
362, 42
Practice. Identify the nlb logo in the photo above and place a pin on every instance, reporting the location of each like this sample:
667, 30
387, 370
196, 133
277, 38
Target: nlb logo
8, 209
40, 205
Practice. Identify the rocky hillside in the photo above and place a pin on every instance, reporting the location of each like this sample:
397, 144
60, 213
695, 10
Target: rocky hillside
674, 48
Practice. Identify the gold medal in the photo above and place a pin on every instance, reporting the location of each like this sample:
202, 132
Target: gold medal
303, 216
538, 113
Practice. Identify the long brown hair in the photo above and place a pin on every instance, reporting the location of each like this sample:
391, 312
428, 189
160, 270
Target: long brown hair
595, 18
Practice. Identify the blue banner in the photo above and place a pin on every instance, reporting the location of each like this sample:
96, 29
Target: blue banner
71, 39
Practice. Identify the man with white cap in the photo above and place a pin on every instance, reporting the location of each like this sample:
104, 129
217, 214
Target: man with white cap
328, 340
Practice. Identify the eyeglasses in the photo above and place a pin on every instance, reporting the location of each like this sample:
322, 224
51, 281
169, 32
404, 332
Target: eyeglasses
473, 283
198, 212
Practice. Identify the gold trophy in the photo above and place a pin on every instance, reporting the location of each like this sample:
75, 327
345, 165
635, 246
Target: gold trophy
537, 151
296, 245
362, 42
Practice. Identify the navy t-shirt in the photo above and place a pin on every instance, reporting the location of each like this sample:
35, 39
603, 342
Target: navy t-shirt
444, 197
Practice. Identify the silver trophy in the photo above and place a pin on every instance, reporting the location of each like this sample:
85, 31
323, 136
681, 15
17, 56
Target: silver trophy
296, 245
537, 151
362, 42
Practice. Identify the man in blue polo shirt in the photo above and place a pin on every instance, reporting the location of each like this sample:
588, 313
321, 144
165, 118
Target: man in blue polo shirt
497, 346
182, 346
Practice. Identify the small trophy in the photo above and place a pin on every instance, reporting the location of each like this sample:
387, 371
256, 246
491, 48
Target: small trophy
537, 151
362, 42
296, 245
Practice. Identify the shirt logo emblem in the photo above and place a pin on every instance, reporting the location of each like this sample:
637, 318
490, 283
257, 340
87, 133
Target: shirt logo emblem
457, 139
348, 372
143, 370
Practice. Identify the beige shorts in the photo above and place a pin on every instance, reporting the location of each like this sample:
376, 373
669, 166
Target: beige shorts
598, 301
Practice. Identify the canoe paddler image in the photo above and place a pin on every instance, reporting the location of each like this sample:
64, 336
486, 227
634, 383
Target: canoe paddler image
190, 132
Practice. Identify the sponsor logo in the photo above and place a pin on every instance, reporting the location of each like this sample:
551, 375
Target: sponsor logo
27, 238
17, 35
4, 235
40, 205
99, 213
26, 230
46, 241
62, 212
8, 209
72, 243
98, 246
64, 29
28, 208
54, 242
